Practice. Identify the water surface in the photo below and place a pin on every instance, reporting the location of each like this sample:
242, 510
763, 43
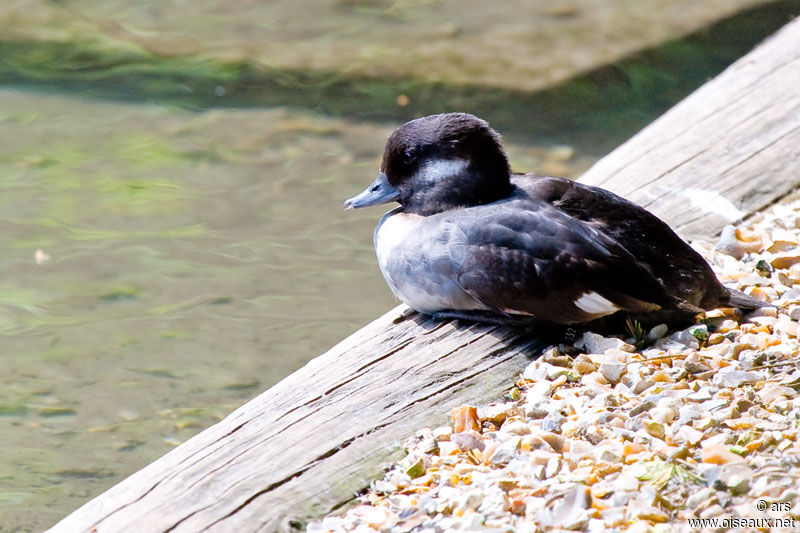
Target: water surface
160, 267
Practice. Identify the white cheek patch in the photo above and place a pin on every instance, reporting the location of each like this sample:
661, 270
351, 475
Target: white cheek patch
594, 304
441, 169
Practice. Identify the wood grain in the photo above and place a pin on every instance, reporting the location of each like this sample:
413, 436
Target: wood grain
313, 440
309, 443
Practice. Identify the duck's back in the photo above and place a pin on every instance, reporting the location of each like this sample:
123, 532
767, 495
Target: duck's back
644, 235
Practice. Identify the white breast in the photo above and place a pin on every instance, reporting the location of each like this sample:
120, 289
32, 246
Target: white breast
420, 266
392, 232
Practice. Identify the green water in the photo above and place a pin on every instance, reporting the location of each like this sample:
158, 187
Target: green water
187, 260
173, 234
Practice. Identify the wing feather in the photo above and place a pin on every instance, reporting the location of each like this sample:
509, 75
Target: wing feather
528, 258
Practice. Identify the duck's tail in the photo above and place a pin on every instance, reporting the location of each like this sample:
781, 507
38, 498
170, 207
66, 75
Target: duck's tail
744, 301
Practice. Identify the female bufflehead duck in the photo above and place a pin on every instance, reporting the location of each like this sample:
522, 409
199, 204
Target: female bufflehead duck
472, 241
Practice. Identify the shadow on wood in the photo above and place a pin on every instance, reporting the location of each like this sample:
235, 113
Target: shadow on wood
309, 443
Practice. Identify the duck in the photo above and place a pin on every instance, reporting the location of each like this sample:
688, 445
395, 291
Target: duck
471, 240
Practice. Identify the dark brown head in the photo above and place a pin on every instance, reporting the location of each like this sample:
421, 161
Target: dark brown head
440, 162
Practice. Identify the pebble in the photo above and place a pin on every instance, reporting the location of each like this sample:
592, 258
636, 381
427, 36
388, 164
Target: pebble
597, 344
691, 435
567, 510
655, 429
505, 452
701, 424
737, 481
467, 441
785, 260
664, 415
657, 332
612, 372
537, 408
718, 454
770, 393
552, 422
642, 407
705, 393
641, 386
448, 448
694, 364
442, 433
555, 441
465, 418
735, 243
736, 378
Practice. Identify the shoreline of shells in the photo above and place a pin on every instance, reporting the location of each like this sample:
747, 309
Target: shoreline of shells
704, 423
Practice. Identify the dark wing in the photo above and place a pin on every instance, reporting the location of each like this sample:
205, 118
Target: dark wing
680, 269
527, 258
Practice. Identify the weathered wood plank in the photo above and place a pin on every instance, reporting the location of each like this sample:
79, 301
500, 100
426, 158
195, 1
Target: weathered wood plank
729, 149
317, 436
304, 446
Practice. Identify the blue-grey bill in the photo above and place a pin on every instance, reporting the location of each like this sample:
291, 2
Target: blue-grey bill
379, 192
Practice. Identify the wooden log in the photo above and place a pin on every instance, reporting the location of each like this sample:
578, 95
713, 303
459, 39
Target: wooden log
305, 446
727, 150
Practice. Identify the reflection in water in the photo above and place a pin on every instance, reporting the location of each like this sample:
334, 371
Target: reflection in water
186, 261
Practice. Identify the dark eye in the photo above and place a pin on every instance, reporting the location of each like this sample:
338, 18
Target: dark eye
409, 155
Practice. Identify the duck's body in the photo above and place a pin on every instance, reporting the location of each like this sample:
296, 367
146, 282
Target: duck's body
517, 257
472, 241
649, 239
